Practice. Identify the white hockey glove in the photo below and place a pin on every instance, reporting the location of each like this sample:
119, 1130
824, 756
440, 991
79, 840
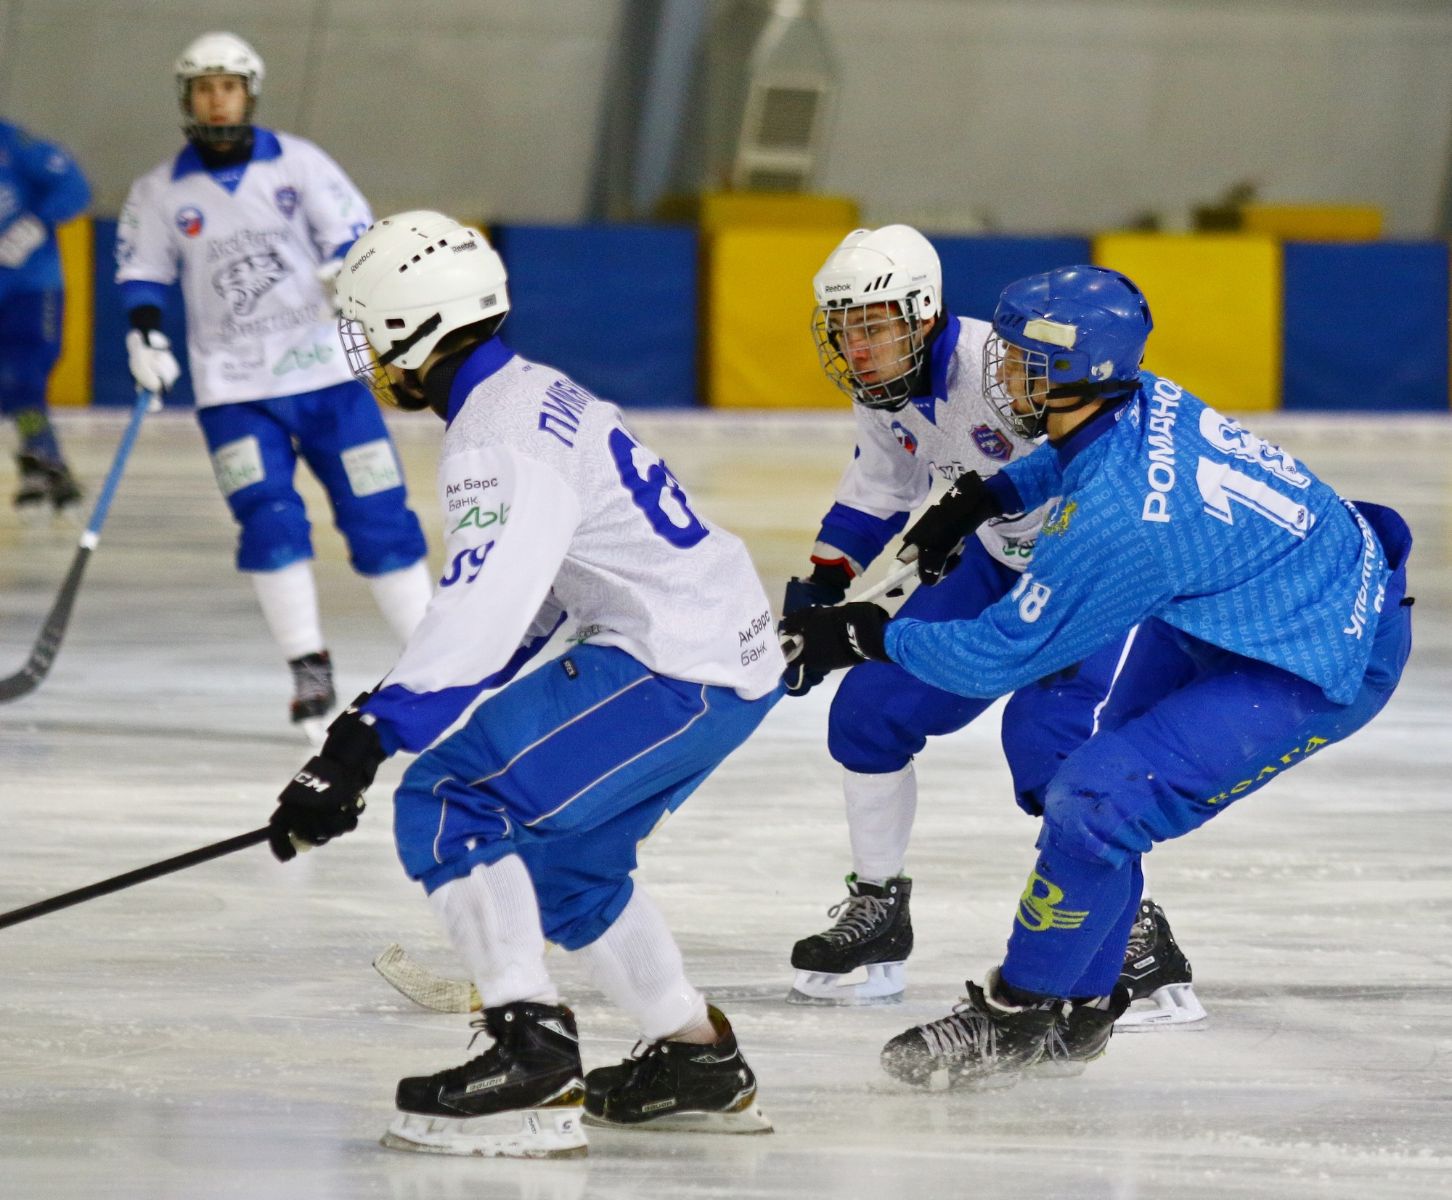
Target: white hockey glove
22, 237
153, 366
327, 274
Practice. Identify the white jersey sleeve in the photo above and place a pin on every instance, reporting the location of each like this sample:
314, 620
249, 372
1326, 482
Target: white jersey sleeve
510, 519
335, 209
882, 479
144, 248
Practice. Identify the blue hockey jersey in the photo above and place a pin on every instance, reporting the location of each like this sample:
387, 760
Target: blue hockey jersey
37, 180
1169, 510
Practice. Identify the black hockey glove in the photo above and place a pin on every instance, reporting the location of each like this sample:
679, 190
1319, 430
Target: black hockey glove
939, 531
833, 638
826, 585
323, 800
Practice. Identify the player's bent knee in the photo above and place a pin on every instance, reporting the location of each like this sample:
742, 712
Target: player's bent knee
865, 730
440, 832
274, 534
385, 538
1104, 804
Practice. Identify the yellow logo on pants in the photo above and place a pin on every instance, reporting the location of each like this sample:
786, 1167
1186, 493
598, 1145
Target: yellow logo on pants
1037, 911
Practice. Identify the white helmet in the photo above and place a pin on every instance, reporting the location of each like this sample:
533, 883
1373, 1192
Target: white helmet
894, 265
408, 282
217, 54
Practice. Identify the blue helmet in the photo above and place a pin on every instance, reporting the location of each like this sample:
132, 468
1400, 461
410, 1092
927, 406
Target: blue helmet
1080, 332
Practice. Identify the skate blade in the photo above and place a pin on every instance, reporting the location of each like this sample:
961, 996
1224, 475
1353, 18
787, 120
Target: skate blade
878, 983
518, 1133
749, 1119
315, 729
1173, 1006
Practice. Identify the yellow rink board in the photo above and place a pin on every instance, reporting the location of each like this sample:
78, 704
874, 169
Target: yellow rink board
758, 335
1314, 222
70, 382
1216, 303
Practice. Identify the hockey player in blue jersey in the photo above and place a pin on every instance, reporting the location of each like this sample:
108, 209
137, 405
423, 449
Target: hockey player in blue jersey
914, 373
253, 224
522, 825
1272, 622
40, 187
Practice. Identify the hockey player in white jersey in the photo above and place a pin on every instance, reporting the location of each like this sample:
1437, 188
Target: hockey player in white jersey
522, 825
253, 224
914, 373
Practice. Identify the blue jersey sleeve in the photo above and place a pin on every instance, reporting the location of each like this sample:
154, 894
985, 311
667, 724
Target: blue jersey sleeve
1086, 585
1036, 478
59, 189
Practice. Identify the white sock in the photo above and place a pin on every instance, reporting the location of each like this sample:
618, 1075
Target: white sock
638, 966
880, 812
289, 599
492, 918
402, 596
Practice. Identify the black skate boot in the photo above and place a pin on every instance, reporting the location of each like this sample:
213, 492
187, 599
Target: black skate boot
679, 1086
983, 1043
32, 493
1156, 971
44, 482
874, 931
312, 693
1081, 1035
521, 1098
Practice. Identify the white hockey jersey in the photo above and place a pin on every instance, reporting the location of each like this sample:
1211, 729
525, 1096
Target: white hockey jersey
258, 322
899, 454
552, 506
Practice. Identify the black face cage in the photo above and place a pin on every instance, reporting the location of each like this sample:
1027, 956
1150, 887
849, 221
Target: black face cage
363, 361
832, 327
1029, 369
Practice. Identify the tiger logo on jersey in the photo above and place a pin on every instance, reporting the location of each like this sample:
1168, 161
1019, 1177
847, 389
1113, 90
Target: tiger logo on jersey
244, 281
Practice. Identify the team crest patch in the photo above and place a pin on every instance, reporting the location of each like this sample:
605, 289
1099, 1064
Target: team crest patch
992, 443
189, 221
904, 437
286, 198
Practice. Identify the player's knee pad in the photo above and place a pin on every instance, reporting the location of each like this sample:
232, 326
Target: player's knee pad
440, 830
1108, 803
275, 532
382, 532
882, 716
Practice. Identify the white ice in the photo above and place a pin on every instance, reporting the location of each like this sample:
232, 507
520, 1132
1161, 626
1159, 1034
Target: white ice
219, 1033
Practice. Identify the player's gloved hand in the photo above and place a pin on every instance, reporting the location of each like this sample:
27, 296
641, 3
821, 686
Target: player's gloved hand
153, 366
832, 638
826, 585
327, 274
323, 800
21, 238
934, 538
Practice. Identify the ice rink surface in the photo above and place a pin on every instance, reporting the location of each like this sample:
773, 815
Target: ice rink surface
220, 1034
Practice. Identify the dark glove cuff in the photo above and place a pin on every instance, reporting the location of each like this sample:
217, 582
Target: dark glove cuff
145, 317
353, 741
835, 575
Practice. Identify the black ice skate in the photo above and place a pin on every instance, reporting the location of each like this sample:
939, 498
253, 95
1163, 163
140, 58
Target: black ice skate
1158, 974
521, 1098
983, 1043
45, 484
1081, 1035
859, 960
679, 1086
312, 694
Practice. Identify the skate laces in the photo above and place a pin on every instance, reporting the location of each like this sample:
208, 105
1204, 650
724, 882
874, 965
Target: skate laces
859, 916
312, 678
452, 1076
1142, 936
965, 1030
